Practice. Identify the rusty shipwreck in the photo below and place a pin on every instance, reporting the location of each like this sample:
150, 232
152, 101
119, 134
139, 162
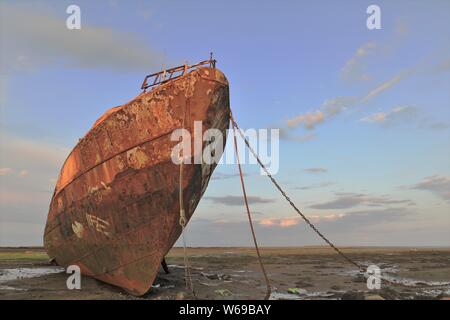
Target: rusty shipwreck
115, 210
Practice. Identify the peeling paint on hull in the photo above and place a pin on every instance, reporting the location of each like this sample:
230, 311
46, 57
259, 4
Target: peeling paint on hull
115, 209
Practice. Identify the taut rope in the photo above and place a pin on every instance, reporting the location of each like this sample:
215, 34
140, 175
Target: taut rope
183, 221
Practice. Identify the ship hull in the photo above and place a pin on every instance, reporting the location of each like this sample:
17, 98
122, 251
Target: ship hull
115, 211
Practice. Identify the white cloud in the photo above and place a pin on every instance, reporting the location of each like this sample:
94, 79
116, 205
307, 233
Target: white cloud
335, 106
406, 115
327, 110
355, 68
397, 114
437, 184
10, 171
376, 117
6, 171
31, 38
332, 107
349, 200
382, 226
23, 173
385, 86
283, 222
289, 222
309, 120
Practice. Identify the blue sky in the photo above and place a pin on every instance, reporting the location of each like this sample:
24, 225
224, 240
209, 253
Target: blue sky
364, 114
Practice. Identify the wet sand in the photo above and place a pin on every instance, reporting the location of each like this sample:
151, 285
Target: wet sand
233, 273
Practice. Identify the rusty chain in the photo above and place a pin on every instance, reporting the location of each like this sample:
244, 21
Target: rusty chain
288, 199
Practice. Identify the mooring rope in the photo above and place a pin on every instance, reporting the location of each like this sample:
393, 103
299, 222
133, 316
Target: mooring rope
266, 278
183, 222
235, 125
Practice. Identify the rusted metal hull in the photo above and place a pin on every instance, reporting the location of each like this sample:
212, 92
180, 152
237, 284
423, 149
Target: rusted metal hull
115, 210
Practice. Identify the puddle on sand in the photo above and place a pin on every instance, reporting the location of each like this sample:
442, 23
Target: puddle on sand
176, 266
302, 295
11, 288
283, 296
7, 275
412, 282
436, 292
389, 274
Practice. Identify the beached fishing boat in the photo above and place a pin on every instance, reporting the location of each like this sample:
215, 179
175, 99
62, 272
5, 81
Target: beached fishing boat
115, 210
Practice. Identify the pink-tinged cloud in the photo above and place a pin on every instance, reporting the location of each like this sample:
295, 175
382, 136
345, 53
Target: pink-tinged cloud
283, 222
23, 173
308, 120
267, 222
289, 222
328, 217
5, 171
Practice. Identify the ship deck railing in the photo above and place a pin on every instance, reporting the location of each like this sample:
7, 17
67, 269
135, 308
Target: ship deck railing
166, 75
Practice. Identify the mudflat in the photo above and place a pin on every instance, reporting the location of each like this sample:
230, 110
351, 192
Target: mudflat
234, 273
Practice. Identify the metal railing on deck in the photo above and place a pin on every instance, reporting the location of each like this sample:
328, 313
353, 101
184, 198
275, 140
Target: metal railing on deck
166, 75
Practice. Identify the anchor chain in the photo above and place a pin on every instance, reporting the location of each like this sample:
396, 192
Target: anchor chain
288, 199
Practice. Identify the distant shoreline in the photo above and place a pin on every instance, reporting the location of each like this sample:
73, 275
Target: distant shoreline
268, 247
